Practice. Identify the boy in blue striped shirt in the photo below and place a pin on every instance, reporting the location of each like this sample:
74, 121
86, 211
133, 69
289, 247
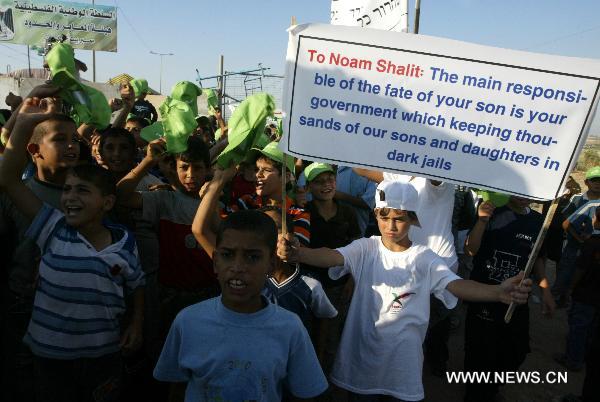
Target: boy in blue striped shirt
86, 265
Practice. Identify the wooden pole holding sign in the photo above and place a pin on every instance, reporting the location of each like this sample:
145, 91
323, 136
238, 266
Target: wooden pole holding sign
283, 176
534, 253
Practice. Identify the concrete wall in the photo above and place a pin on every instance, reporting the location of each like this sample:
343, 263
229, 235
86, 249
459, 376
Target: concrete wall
22, 86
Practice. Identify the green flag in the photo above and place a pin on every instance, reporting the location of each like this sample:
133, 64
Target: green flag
245, 126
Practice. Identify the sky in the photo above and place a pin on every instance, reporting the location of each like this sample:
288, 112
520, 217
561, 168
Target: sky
248, 32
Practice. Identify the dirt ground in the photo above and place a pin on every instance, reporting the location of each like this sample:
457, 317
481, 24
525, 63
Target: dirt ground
547, 337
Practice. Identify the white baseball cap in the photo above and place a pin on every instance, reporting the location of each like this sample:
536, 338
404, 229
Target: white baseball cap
397, 195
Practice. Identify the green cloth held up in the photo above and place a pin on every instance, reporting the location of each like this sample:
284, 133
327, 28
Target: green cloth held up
139, 85
244, 128
211, 100
61, 61
98, 112
188, 92
178, 121
2, 120
90, 106
498, 199
152, 132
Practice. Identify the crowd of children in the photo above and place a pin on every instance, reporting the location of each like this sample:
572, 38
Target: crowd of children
134, 272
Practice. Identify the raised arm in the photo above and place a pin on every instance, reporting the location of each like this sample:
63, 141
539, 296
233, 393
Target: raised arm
128, 98
473, 241
33, 111
202, 227
289, 249
372, 175
126, 194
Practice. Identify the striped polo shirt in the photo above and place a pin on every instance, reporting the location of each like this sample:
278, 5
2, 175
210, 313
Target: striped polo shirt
300, 217
80, 291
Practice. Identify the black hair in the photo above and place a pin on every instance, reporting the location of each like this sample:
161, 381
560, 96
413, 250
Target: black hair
197, 151
139, 120
252, 221
42, 128
98, 176
276, 165
386, 211
117, 132
289, 222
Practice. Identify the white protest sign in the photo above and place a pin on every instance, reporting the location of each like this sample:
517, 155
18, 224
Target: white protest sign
389, 15
489, 118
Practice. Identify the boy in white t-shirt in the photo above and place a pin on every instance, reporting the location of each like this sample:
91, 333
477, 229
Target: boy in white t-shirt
389, 312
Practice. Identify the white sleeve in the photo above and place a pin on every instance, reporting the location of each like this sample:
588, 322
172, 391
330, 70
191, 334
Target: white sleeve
320, 304
354, 254
440, 277
43, 225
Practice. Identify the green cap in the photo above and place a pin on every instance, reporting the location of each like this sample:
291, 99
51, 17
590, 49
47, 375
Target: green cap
211, 100
592, 173
187, 92
178, 122
152, 132
498, 199
61, 61
273, 152
139, 85
245, 126
315, 169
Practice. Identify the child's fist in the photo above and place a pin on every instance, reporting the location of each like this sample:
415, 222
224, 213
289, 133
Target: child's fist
513, 291
485, 210
156, 149
287, 248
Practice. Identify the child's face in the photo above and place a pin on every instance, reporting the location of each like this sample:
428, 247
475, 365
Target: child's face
323, 186
242, 262
118, 154
394, 226
59, 147
135, 128
268, 178
191, 175
83, 203
593, 185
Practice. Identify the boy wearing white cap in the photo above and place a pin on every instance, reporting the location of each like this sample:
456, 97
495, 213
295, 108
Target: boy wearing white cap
389, 313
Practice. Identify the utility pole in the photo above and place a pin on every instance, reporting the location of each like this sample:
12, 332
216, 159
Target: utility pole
161, 66
417, 15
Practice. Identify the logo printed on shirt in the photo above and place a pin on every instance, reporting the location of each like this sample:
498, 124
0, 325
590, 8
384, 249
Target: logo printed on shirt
398, 302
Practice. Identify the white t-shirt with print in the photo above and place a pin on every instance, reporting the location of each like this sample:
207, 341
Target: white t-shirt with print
436, 204
381, 347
